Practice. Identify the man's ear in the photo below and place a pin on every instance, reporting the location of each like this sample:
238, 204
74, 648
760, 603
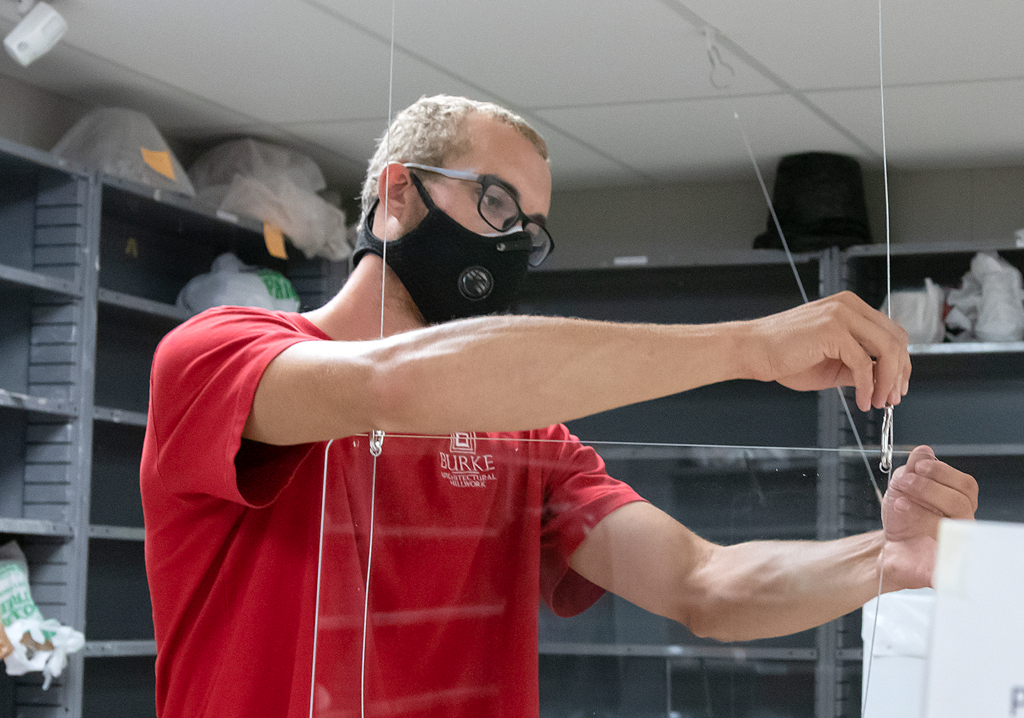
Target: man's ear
398, 197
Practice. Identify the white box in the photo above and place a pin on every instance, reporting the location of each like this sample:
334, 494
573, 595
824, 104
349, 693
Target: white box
975, 663
894, 662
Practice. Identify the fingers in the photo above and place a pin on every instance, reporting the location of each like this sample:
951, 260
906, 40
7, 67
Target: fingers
936, 486
874, 349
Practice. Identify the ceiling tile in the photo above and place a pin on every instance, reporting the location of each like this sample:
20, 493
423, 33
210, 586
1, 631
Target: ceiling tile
676, 140
536, 54
816, 45
967, 124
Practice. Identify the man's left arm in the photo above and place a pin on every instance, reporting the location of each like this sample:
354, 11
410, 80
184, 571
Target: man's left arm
760, 589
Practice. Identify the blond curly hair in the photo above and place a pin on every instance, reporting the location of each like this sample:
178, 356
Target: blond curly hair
429, 132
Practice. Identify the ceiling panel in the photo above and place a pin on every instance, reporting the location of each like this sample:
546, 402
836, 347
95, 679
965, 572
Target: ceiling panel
814, 44
681, 139
967, 124
620, 90
284, 62
537, 53
808, 43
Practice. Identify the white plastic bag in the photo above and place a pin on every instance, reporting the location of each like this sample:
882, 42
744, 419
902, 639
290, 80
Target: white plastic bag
919, 311
126, 144
989, 306
44, 646
34, 643
277, 185
232, 282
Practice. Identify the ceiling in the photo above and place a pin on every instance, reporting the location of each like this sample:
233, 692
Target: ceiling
621, 89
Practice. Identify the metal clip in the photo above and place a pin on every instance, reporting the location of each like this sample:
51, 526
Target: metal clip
376, 443
885, 464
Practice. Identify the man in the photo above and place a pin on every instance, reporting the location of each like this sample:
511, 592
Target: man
437, 542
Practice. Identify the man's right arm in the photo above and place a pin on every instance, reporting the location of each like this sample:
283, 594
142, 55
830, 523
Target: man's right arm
512, 373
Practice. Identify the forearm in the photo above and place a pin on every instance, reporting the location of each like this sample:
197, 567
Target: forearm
774, 588
488, 374
506, 373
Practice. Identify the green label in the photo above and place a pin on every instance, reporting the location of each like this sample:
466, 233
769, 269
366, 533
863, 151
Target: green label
277, 284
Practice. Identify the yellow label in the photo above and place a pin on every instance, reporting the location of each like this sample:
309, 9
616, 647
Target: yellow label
131, 248
159, 161
274, 240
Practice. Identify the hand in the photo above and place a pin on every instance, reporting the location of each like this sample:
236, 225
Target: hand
834, 341
920, 494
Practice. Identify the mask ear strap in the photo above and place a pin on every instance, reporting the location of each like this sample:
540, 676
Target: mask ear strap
366, 242
423, 191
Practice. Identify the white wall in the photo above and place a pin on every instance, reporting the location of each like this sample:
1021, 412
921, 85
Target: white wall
683, 222
32, 117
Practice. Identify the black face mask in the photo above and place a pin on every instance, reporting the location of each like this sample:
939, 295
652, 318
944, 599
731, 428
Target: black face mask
449, 271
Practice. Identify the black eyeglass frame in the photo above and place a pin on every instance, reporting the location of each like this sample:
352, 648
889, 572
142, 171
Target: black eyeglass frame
538, 252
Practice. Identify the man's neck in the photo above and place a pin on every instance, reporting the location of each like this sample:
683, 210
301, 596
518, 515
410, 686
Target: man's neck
354, 313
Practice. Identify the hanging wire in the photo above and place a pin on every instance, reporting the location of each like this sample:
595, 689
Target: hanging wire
887, 423
377, 437
803, 295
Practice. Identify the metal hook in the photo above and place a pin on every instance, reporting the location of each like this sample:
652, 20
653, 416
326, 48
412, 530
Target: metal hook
885, 463
376, 443
722, 73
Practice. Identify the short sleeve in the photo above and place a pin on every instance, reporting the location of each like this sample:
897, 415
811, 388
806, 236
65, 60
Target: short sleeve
203, 380
578, 494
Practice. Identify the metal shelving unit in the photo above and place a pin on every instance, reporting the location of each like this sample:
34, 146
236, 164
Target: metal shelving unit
967, 403
89, 270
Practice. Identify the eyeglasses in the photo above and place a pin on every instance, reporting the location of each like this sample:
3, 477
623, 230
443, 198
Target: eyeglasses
501, 211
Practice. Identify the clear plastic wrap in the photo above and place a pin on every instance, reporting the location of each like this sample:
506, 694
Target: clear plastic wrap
274, 184
124, 143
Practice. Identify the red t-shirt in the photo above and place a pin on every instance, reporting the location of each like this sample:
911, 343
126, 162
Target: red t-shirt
469, 530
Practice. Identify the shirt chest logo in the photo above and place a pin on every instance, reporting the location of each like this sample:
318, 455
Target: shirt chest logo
462, 466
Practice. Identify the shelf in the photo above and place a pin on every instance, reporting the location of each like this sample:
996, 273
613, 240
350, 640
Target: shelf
15, 157
879, 250
729, 258
117, 533
119, 416
35, 527
42, 405
118, 649
141, 305
36, 280
966, 348
181, 201
716, 652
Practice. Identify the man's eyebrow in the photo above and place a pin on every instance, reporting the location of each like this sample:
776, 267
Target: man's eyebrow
538, 218
504, 183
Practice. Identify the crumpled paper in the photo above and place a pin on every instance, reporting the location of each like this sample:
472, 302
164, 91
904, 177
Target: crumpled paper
919, 312
989, 305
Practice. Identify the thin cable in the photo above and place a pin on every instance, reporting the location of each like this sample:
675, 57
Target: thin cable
803, 294
771, 207
888, 303
366, 593
319, 573
874, 623
387, 169
377, 438
885, 168
657, 444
